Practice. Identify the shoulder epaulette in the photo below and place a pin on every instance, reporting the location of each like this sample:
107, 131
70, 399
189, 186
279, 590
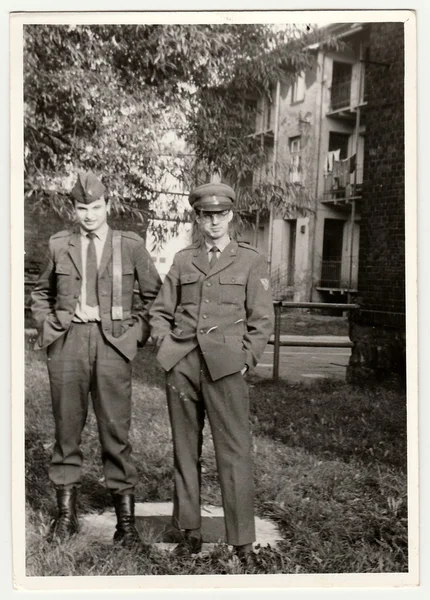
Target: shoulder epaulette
61, 234
132, 236
190, 247
244, 244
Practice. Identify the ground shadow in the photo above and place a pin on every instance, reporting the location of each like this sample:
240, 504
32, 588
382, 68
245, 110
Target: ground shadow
160, 527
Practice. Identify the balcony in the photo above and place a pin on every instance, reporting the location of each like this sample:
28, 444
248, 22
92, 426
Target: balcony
331, 273
341, 190
340, 95
331, 278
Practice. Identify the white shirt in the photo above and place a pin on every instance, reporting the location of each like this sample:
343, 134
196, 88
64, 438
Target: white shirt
221, 245
83, 312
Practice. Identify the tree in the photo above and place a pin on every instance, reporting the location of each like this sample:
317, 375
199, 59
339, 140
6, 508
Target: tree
102, 97
222, 126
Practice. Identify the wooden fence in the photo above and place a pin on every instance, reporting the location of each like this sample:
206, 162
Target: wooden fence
277, 342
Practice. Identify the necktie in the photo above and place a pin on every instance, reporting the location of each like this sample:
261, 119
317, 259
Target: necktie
91, 271
213, 254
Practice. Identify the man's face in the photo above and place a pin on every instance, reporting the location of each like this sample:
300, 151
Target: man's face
92, 216
214, 225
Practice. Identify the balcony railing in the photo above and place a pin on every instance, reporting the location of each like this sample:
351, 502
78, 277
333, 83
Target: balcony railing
344, 188
340, 95
331, 273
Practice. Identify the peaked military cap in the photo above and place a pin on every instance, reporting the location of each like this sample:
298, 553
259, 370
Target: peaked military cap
212, 196
88, 188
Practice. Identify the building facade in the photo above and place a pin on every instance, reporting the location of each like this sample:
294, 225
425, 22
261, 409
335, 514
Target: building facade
315, 132
338, 133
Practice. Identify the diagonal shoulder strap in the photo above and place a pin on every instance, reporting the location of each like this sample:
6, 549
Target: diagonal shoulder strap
116, 276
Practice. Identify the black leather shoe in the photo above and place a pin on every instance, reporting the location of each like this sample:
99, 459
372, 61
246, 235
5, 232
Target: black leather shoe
66, 523
126, 534
245, 554
189, 545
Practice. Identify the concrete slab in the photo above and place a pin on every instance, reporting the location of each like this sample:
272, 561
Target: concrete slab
153, 521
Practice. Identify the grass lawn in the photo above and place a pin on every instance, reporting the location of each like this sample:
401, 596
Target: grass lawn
330, 469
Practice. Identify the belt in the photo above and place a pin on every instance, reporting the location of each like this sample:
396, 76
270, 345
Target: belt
84, 322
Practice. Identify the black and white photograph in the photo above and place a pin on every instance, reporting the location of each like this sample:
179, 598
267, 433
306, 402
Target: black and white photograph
214, 305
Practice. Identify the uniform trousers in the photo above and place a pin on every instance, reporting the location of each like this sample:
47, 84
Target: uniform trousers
191, 394
83, 363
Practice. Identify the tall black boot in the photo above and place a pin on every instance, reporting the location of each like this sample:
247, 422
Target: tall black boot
126, 533
66, 523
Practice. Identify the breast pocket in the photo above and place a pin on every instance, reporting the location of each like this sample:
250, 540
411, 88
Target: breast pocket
190, 288
232, 288
62, 275
128, 279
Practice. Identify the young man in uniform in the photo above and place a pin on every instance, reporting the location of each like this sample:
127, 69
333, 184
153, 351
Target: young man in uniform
211, 322
82, 306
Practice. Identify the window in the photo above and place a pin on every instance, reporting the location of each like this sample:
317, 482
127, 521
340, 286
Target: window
295, 144
298, 89
295, 175
291, 251
341, 85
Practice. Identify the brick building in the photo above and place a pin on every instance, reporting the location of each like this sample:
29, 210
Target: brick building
378, 329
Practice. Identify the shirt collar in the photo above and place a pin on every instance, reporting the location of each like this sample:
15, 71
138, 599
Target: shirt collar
219, 245
101, 233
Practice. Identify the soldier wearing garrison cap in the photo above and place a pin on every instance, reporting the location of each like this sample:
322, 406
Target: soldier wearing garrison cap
82, 306
211, 321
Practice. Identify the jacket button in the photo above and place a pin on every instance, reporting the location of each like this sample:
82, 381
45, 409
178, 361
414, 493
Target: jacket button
78, 278
76, 296
202, 331
205, 316
209, 284
233, 279
206, 300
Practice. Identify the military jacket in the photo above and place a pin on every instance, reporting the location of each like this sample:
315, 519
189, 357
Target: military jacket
225, 308
55, 296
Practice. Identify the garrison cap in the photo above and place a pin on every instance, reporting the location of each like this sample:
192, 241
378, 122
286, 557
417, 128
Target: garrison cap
212, 196
88, 188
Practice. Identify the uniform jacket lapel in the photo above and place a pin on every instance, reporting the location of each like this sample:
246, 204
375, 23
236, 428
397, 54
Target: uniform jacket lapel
75, 251
225, 259
200, 259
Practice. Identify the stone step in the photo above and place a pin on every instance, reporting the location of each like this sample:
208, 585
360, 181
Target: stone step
153, 521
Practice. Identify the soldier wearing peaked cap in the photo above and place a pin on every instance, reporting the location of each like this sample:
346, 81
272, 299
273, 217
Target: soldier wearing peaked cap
211, 321
82, 306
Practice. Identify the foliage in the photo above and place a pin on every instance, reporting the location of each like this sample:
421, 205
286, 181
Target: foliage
108, 97
222, 126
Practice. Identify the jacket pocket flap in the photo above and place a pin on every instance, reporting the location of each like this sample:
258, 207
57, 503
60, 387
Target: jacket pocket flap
62, 269
233, 278
189, 277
